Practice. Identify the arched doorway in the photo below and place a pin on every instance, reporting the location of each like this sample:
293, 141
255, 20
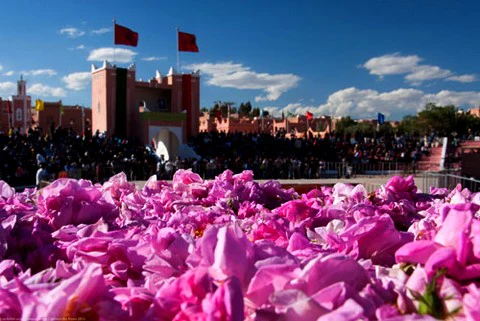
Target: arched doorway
166, 144
142, 106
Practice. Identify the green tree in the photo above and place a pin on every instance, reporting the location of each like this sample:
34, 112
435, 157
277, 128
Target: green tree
466, 123
256, 112
245, 109
241, 108
363, 129
344, 125
441, 119
213, 110
248, 107
408, 125
386, 129
224, 110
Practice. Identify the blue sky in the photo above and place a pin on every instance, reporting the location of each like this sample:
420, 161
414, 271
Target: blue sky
343, 58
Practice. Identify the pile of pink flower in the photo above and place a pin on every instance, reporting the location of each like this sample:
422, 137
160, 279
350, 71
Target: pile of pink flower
234, 249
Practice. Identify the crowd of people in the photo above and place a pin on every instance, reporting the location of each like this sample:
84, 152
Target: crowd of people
313, 157
29, 159
37, 156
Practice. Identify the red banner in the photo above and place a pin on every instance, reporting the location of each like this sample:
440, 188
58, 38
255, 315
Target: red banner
125, 36
187, 42
309, 115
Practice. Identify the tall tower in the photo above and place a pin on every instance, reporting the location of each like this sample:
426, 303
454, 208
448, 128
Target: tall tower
113, 100
191, 101
21, 87
22, 111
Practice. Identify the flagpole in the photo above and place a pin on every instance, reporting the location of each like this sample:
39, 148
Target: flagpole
178, 64
331, 120
25, 112
114, 45
263, 124
83, 120
60, 113
10, 115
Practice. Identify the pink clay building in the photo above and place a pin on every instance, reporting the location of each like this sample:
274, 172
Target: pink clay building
164, 110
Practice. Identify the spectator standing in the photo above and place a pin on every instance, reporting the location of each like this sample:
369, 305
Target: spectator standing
169, 169
42, 175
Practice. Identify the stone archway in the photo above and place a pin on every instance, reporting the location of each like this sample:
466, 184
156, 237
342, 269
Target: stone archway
142, 106
166, 144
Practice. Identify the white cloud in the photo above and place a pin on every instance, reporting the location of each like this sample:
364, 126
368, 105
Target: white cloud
79, 47
77, 80
7, 88
456, 98
1, 67
426, 72
101, 31
233, 75
121, 55
366, 103
154, 58
9, 73
272, 110
46, 91
40, 72
463, 78
72, 32
393, 64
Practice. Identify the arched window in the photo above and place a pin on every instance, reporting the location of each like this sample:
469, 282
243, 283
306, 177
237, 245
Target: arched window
19, 114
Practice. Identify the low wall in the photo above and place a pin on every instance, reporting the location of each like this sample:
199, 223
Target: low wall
302, 188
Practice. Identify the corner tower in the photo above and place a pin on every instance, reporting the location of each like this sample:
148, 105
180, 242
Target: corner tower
22, 112
113, 100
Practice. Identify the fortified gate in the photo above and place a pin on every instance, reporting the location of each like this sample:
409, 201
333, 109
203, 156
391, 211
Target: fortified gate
164, 110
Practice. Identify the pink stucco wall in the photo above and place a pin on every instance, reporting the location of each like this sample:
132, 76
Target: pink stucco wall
145, 96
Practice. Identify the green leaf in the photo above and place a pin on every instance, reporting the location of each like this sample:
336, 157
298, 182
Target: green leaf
430, 302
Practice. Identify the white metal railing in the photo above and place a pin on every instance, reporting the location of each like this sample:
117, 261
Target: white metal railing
450, 181
343, 169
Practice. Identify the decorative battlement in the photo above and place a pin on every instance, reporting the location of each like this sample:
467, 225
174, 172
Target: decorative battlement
107, 65
172, 72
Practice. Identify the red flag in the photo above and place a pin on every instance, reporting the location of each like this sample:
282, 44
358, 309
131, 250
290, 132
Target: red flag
309, 115
187, 42
125, 36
